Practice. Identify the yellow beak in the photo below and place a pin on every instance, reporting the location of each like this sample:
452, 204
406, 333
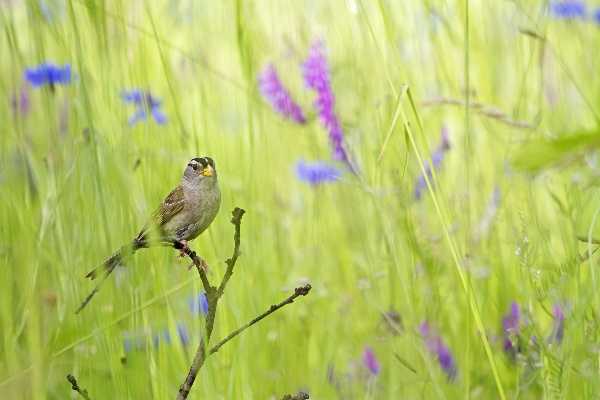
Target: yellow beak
208, 171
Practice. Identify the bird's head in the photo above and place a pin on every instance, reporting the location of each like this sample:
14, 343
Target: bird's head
200, 169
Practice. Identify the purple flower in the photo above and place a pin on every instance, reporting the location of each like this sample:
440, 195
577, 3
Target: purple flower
198, 304
510, 330
144, 102
317, 172
596, 15
568, 9
558, 330
20, 102
48, 74
370, 361
316, 76
436, 346
273, 90
436, 159
183, 333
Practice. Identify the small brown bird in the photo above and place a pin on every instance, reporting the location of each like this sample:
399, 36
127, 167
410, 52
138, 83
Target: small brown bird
184, 214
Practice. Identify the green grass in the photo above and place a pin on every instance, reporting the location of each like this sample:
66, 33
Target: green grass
68, 198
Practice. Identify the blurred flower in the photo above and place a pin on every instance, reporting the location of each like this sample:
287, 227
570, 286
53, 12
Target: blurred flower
20, 102
510, 330
558, 330
436, 159
437, 347
133, 341
316, 172
568, 9
198, 304
273, 90
316, 76
48, 74
144, 102
596, 16
370, 361
183, 333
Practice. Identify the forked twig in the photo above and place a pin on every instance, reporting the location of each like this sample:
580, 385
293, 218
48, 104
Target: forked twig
213, 294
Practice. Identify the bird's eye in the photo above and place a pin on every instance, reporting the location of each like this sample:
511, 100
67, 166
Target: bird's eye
194, 166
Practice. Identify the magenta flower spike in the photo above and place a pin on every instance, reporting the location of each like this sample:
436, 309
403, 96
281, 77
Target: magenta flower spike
278, 96
316, 76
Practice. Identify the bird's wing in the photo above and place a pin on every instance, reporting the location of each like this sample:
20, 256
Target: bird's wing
171, 206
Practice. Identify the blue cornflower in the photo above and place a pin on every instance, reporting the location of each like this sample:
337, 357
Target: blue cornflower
198, 304
183, 333
144, 102
568, 9
317, 172
596, 15
48, 74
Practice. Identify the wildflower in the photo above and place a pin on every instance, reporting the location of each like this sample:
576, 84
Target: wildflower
132, 341
198, 304
558, 330
596, 16
144, 102
370, 361
273, 90
48, 74
436, 160
568, 9
317, 172
510, 329
316, 77
437, 347
183, 333
20, 102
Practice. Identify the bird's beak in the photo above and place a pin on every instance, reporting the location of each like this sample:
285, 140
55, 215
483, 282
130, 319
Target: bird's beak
207, 171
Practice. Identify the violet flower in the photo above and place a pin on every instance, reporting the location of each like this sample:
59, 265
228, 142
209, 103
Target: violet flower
370, 361
275, 93
316, 76
144, 102
510, 330
20, 102
316, 173
199, 304
436, 160
558, 330
568, 9
436, 346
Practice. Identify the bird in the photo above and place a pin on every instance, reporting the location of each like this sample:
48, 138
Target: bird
184, 214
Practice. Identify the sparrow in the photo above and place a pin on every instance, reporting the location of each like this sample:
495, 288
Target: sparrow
183, 215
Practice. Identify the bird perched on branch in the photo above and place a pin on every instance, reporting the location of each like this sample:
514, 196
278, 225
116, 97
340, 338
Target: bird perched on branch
183, 215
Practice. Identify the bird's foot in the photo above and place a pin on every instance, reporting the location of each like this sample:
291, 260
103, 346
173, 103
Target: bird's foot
184, 249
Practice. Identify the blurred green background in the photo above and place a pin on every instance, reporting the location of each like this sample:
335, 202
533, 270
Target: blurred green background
77, 181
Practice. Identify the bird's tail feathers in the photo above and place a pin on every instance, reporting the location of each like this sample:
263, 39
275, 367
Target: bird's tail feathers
108, 267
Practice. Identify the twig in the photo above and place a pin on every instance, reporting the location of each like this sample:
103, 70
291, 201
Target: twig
299, 291
82, 392
212, 296
298, 396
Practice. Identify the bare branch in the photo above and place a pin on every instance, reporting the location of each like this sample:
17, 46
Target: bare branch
299, 291
75, 386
